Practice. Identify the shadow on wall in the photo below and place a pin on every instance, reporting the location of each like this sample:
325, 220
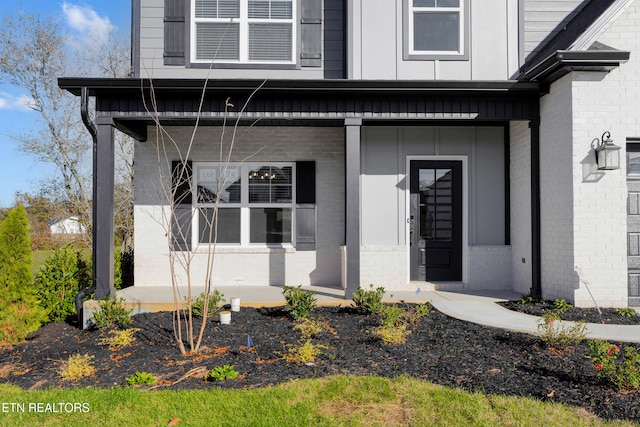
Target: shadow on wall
276, 268
590, 172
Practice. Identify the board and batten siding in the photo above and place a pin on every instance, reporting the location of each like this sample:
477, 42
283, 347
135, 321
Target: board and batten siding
376, 43
383, 163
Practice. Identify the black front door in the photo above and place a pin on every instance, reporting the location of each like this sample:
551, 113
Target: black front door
435, 235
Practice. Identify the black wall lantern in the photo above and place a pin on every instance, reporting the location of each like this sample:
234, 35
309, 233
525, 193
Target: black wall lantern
607, 153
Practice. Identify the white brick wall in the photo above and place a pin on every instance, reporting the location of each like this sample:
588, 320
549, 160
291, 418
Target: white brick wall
243, 266
520, 208
384, 266
489, 268
584, 210
556, 191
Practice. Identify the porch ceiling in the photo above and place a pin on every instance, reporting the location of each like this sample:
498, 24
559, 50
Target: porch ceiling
303, 102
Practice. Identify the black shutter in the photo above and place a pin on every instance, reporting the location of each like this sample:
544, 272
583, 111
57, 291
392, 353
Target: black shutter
334, 39
174, 32
181, 193
311, 28
306, 219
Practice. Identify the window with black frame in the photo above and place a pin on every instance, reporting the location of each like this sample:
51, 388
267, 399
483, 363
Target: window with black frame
254, 203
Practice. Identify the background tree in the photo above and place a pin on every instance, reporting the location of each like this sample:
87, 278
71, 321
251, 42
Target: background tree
33, 54
19, 309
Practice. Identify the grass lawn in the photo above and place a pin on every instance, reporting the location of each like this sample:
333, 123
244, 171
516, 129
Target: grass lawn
331, 401
39, 257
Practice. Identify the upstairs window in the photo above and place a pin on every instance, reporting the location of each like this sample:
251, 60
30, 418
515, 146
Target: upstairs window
435, 29
243, 31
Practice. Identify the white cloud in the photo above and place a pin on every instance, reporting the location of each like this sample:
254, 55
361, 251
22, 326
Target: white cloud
15, 103
87, 22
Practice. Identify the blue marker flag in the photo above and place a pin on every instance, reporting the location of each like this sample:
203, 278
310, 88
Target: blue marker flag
249, 342
418, 291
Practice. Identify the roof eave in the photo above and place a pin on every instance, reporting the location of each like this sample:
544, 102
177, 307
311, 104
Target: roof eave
97, 86
563, 62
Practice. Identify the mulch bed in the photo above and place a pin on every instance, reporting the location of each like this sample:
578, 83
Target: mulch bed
439, 349
589, 315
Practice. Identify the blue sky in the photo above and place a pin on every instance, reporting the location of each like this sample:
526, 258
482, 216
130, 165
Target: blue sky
78, 19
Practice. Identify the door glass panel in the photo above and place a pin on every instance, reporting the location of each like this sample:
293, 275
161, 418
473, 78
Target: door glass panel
435, 203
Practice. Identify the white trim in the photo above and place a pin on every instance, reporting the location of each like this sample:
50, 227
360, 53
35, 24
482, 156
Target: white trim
460, 10
243, 38
244, 206
600, 25
465, 208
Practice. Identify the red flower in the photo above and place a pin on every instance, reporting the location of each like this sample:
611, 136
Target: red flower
598, 367
633, 368
549, 320
608, 351
616, 348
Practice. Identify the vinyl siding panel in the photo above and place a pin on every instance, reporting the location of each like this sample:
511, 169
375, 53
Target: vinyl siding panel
543, 19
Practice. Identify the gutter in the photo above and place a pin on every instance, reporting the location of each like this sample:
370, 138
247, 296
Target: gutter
563, 62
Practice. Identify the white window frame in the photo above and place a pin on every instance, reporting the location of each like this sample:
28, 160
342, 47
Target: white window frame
244, 205
243, 20
463, 32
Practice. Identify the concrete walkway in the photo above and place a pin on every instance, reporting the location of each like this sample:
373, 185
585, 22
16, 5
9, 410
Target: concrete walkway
475, 307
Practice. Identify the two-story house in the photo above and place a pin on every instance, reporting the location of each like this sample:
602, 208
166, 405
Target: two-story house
404, 143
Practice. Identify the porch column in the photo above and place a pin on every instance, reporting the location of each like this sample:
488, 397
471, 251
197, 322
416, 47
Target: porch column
352, 202
103, 180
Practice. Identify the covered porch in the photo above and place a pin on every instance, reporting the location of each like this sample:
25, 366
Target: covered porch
126, 105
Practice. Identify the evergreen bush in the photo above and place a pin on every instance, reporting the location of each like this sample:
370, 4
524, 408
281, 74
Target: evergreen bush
58, 281
20, 312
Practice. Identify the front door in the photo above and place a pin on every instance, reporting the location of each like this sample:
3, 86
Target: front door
435, 230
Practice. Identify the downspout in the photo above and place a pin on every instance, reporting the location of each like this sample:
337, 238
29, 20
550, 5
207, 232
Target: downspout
91, 127
536, 245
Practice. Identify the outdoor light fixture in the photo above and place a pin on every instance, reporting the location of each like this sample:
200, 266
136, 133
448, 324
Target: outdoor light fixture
607, 153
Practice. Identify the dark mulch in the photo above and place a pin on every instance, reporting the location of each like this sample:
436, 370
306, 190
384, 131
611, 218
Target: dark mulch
440, 349
589, 315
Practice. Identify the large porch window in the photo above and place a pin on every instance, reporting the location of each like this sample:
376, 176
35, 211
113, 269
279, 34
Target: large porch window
255, 203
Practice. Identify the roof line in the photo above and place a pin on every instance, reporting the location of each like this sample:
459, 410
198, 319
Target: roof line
600, 25
106, 85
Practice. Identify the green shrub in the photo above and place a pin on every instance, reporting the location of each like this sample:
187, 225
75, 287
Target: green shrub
122, 269
621, 368
58, 281
554, 333
306, 352
300, 302
392, 316
20, 312
392, 334
626, 312
369, 301
76, 367
119, 338
197, 303
111, 312
528, 299
224, 372
140, 378
561, 305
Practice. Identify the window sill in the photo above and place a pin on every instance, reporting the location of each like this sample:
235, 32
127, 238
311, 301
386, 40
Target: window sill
436, 56
244, 65
248, 249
